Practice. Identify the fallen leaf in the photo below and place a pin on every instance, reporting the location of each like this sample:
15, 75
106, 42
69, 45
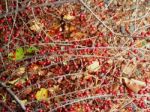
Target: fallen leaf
17, 81
72, 28
140, 83
20, 71
27, 90
132, 84
140, 43
115, 87
34, 69
42, 94
36, 25
24, 101
17, 55
41, 72
128, 69
31, 49
54, 89
94, 67
124, 110
77, 35
69, 17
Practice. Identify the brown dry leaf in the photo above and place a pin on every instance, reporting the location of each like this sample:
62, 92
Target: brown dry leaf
124, 110
27, 91
115, 86
140, 43
132, 84
141, 83
55, 25
53, 28
49, 73
72, 28
17, 81
34, 69
77, 35
94, 67
41, 72
128, 69
36, 25
69, 28
54, 89
20, 71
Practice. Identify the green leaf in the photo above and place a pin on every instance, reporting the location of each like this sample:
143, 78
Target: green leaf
144, 43
32, 49
19, 54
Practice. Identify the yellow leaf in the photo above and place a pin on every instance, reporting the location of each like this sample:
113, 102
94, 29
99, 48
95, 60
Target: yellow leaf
42, 94
69, 17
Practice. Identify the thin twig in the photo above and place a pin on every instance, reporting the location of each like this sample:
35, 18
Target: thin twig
13, 95
99, 19
39, 5
7, 107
